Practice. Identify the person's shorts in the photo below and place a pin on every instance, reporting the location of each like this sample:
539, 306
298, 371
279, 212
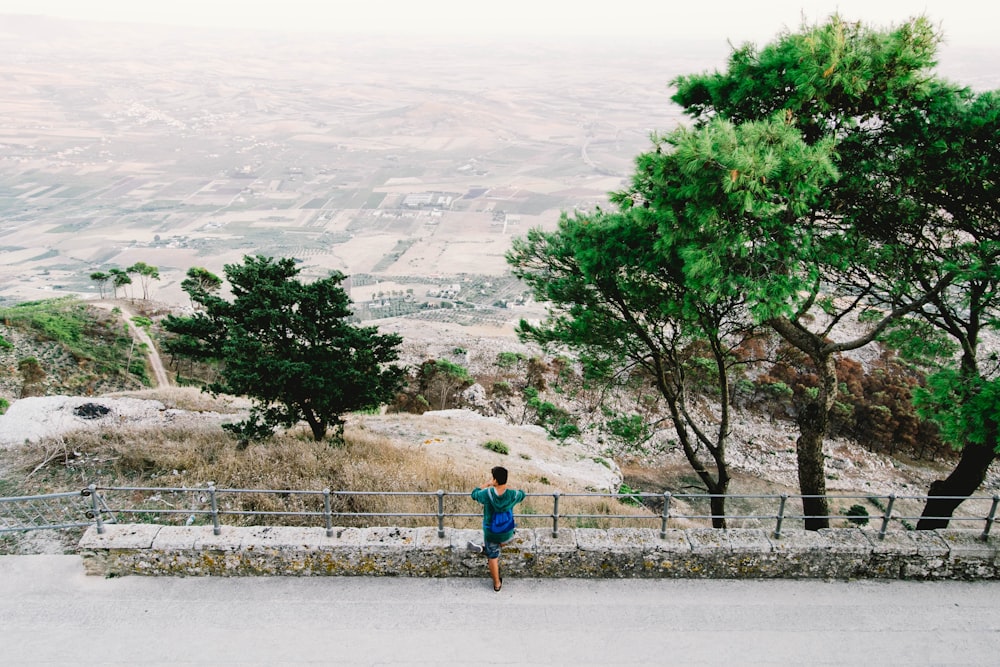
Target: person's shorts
492, 549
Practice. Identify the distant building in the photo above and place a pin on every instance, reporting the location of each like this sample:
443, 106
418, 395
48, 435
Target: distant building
428, 200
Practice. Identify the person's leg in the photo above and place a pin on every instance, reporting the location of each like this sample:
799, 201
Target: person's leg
494, 565
493, 562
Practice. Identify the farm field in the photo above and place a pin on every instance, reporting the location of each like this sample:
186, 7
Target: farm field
361, 156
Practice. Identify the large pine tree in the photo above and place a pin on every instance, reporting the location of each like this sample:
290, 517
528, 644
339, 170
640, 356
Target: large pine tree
290, 346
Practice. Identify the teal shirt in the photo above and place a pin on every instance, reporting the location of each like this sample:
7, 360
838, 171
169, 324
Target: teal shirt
492, 503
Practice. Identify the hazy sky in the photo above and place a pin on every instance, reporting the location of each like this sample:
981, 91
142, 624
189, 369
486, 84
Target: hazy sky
964, 22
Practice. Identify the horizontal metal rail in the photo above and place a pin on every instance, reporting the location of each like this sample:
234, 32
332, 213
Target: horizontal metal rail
53, 511
99, 505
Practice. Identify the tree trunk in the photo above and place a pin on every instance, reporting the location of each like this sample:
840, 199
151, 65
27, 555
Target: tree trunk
813, 426
812, 476
716, 488
963, 481
317, 425
719, 509
813, 422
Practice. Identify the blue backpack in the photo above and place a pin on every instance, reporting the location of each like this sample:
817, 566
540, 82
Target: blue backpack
502, 522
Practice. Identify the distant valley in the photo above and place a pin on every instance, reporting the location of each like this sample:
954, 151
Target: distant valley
408, 167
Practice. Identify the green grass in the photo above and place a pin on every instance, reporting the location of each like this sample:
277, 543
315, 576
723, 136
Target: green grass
95, 339
496, 446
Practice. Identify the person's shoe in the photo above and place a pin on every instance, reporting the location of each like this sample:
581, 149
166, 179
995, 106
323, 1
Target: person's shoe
496, 589
474, 548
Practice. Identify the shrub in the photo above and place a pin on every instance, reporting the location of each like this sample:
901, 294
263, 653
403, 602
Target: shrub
557, 422
496, 446
857, 515
629, 431
509, 359
628, 495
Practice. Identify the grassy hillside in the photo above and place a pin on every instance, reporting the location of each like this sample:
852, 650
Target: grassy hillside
66, 346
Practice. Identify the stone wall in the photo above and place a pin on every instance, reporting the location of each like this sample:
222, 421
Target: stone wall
144, 549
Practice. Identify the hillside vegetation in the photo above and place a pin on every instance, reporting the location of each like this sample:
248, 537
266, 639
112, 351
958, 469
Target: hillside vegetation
82, 350
391, 451
66, 346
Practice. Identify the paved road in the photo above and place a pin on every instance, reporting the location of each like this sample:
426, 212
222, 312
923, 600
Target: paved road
51, 613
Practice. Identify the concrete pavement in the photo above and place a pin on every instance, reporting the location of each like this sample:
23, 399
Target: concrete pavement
51, 613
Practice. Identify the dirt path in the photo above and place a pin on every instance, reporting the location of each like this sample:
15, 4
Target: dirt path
160, 376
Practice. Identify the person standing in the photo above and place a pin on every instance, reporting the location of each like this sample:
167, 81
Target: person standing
498, 521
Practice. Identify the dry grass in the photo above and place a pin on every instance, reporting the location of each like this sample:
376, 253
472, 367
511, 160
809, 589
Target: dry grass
190, 457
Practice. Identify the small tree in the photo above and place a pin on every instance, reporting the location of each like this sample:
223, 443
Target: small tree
119, 279
442, 379
146, 274
101, 278
290, 347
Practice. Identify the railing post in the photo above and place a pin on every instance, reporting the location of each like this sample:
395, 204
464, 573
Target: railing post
887, 517
990, 518
440, 495
96, 508
781, 515
665, 516
216, 529
555, 514
326, 513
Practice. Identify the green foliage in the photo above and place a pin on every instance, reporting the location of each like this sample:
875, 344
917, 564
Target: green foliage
630, 431
448, 368
289, 346
4, 404
918, 190
5, 344
101, 278
146, 273
119, 279
502, 388
778, 390
84, 333
965, 408
862, 239
443, 380
557, 422
497, 446
201, 281
629, 496
507, 360
857, 514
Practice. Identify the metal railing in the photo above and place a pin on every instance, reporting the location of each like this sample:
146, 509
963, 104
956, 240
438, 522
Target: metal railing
53, 511
211, 505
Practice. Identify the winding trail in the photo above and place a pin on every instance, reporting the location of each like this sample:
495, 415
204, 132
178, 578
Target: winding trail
160, 376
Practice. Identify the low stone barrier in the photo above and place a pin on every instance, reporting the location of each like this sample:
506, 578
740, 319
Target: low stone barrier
144, 549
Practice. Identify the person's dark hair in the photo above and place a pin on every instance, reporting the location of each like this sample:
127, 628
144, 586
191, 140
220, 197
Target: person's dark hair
500, 474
